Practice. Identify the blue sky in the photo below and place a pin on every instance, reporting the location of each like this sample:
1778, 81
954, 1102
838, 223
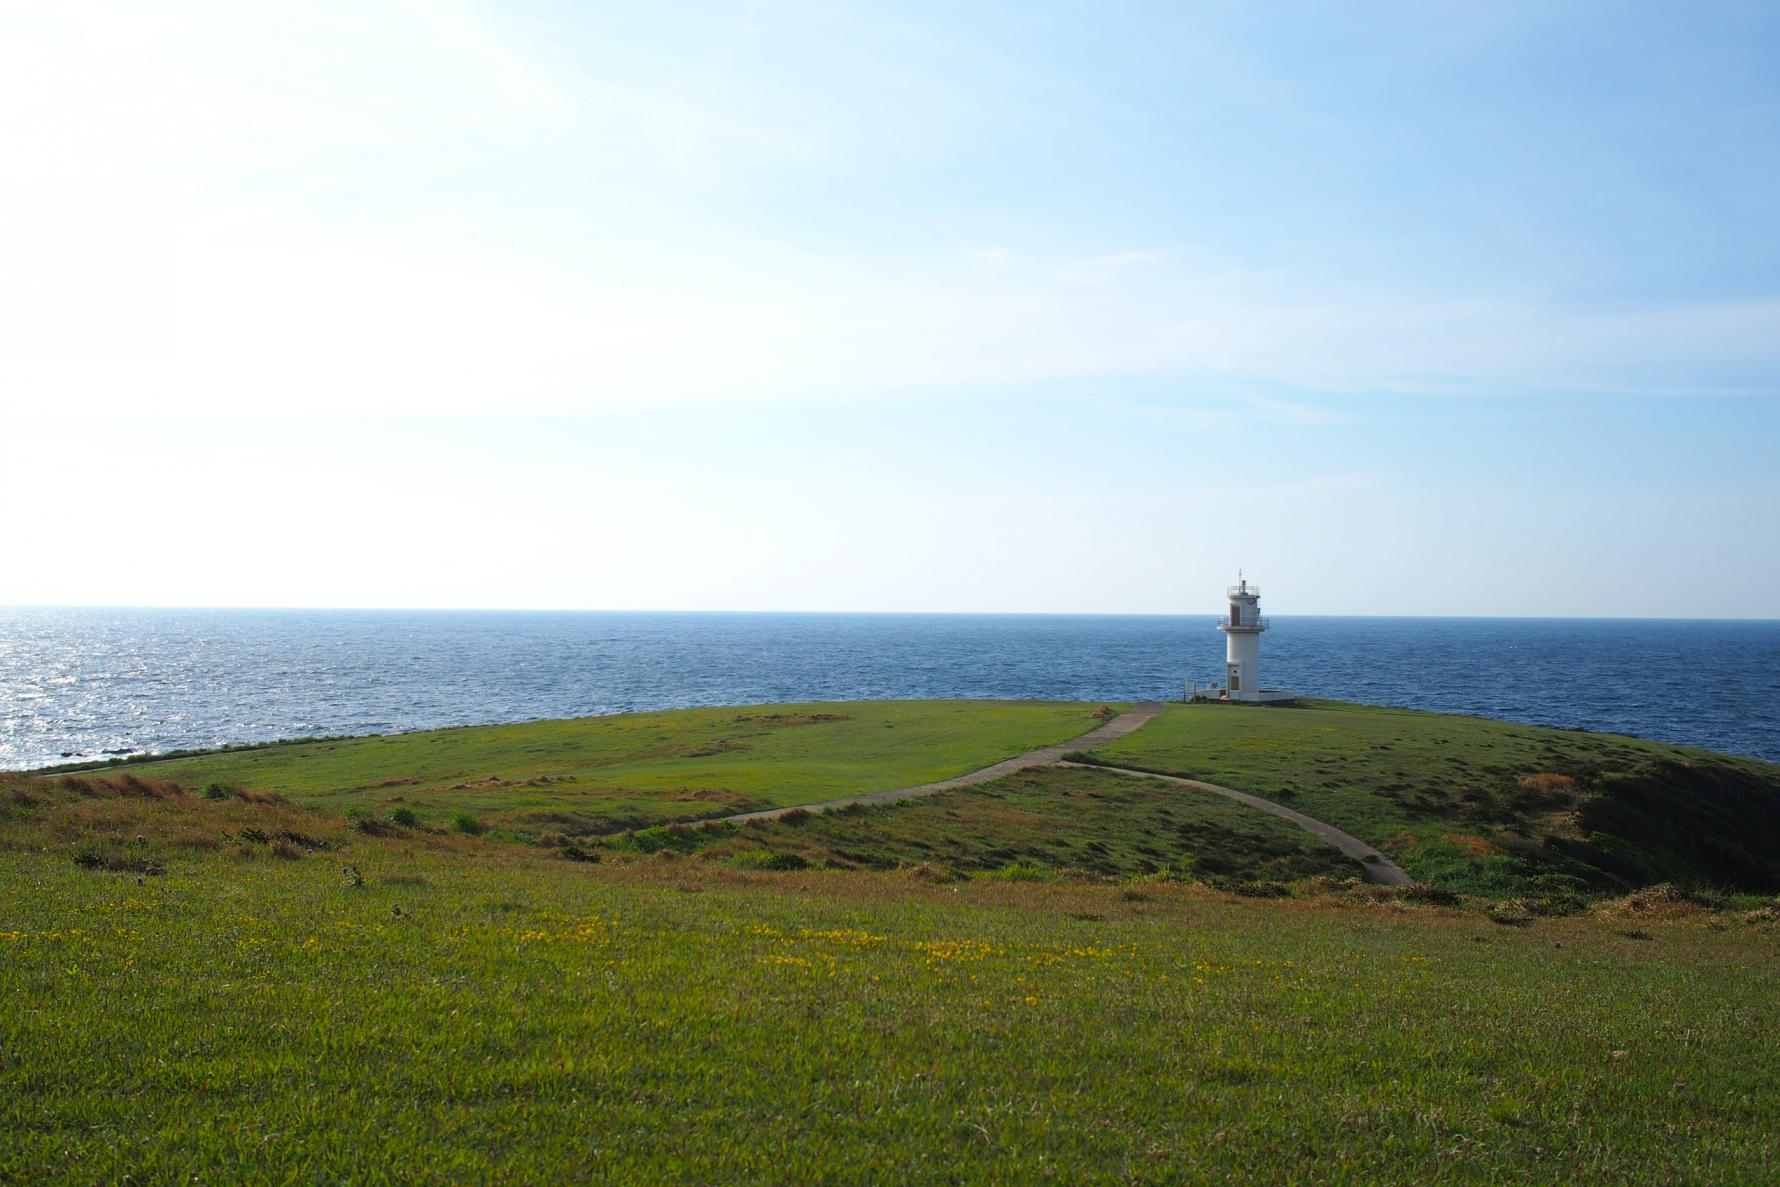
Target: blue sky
1405, 308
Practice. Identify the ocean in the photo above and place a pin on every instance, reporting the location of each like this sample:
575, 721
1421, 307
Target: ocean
86, 683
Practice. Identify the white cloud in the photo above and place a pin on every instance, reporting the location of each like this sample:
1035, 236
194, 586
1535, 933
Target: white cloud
222, 209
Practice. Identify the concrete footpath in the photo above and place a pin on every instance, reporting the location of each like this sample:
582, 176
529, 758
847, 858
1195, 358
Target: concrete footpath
1375, 865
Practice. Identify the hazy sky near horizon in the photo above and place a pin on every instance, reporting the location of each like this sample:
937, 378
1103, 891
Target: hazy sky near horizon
1404, 308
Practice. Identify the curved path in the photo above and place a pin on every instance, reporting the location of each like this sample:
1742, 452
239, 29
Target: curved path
1377, 866
1118, 727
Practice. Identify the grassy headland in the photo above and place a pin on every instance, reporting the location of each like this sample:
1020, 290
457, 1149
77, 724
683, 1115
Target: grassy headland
292, 967
1465, 804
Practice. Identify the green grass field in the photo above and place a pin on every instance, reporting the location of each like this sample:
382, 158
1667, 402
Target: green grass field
601, 774
454, 1010
1485, 806
1036, 979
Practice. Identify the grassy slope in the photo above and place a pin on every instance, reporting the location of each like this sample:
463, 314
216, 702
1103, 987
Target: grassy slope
1057, 819
603, 773
479, 1012
1488, 806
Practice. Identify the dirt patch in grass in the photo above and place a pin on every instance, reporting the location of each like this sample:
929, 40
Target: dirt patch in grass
722, 797
777, 719
717, 746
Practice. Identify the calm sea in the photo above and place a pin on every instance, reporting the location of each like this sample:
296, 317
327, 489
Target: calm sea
86, 682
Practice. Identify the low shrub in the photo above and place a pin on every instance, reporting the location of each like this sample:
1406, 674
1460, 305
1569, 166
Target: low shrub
1513, 913
573, 851
20, 796
665, 838
1250, 888
94, 855
1559, 904
407, 818
91, 856
766, 859
1665, 898
463, 822
127, 785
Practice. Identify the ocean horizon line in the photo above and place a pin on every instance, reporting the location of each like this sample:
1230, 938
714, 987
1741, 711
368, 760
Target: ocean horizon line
731, 613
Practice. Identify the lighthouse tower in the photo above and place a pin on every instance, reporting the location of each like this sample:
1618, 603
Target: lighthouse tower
1242, 631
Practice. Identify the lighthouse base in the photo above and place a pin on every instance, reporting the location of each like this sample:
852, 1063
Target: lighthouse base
1219, 695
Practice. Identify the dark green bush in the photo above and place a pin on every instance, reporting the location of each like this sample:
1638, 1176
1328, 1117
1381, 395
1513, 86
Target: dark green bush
574, 852
674, 838
766, 859
1421, 892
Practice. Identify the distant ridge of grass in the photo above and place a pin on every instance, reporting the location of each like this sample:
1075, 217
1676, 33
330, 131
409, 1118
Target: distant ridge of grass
146, 756
636, 770
1488, 806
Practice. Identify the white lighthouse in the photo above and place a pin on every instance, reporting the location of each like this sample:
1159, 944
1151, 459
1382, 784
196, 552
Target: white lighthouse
1242, 651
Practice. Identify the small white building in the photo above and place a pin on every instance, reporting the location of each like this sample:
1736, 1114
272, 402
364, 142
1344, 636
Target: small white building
1242, 629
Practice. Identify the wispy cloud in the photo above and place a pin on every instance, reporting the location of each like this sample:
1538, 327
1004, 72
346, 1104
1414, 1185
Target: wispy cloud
1298, 412
412, 206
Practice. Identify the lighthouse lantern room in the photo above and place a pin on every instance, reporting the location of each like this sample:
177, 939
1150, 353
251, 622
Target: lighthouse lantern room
1242, 629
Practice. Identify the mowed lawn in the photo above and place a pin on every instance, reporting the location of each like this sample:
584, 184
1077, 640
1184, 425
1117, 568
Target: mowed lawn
437, 1009
604, 773
1486, 806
